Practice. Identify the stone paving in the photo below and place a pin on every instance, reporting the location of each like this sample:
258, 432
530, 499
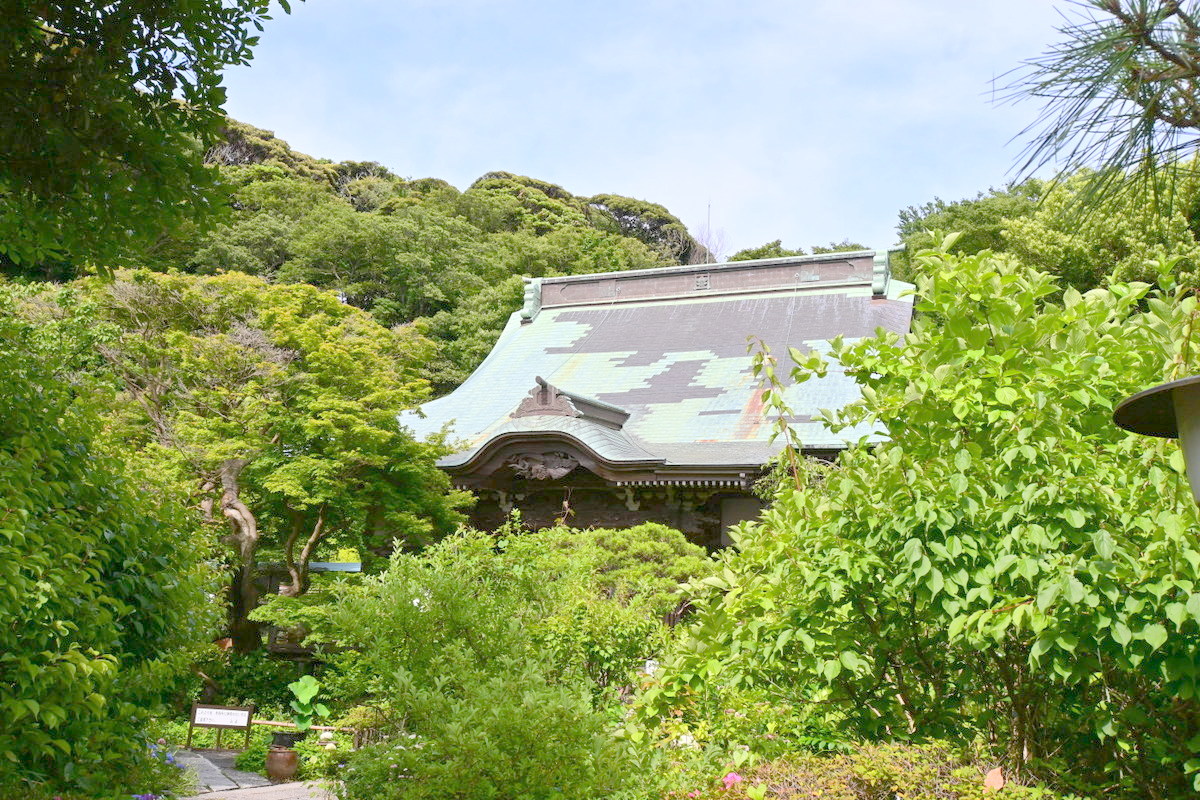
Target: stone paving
278, 791
218, 779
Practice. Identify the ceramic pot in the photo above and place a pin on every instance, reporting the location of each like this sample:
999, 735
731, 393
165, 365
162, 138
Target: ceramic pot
282, 764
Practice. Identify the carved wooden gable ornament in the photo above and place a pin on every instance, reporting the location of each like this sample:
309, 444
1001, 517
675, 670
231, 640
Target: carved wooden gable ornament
546, 400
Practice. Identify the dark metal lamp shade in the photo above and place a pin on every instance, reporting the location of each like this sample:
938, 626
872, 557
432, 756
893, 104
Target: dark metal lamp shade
1172, 411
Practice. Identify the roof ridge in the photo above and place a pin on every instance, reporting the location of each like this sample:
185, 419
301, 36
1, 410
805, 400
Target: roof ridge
683, 269
847, 271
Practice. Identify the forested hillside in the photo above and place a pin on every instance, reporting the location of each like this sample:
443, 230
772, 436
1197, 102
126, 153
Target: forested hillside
409, 251
418, 250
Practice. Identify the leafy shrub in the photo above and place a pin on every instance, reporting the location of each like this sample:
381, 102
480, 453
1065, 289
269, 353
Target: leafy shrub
495, 652
476, 736
881, 772
153, 773
759, 724
102, 589
601, 640
256, 678
1007, 565
588, 603
254, 757
319, 760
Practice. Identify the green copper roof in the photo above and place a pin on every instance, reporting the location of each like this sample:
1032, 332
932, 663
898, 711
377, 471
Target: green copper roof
652, 366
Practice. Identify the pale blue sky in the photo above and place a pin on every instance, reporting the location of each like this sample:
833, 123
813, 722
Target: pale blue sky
806, 121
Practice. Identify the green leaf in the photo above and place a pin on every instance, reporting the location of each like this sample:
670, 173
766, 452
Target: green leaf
1104, 544
1155, 635
1193, 606
1177, 613
1067, 641
1040, 646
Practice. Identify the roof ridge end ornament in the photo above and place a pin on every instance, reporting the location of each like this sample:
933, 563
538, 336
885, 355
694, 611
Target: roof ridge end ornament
546, 399
881, 275
533, 300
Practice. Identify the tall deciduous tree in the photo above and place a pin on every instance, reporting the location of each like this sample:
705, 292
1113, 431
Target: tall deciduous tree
108, 108
280, 404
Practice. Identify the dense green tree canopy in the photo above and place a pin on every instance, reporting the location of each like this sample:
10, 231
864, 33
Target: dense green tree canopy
277, 406
1119, 238
1007, 563
108, 111
776, 249
420, 249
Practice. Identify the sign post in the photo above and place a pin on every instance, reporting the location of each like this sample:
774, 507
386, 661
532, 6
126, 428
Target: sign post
222, 718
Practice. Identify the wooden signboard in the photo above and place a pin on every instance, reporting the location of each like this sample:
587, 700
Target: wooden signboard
222, 718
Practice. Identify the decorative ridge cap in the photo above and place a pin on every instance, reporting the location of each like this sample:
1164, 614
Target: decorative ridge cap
532, 301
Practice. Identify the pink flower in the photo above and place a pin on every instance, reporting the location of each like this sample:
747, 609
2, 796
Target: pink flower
694, 794
731, 779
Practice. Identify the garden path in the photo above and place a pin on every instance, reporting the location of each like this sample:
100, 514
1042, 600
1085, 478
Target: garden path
278, 791
218, 779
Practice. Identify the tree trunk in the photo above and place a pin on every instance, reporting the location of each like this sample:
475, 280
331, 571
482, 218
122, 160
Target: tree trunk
298, 568
244, 536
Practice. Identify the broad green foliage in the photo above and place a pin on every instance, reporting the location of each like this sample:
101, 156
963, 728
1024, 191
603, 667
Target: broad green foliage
1121, 239
485, 658
1052, 227
99, 98
277, 405
481, 735
305, 707
101, 589
1007, 563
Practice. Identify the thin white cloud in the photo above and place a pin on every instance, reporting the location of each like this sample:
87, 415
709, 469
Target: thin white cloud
807, 121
